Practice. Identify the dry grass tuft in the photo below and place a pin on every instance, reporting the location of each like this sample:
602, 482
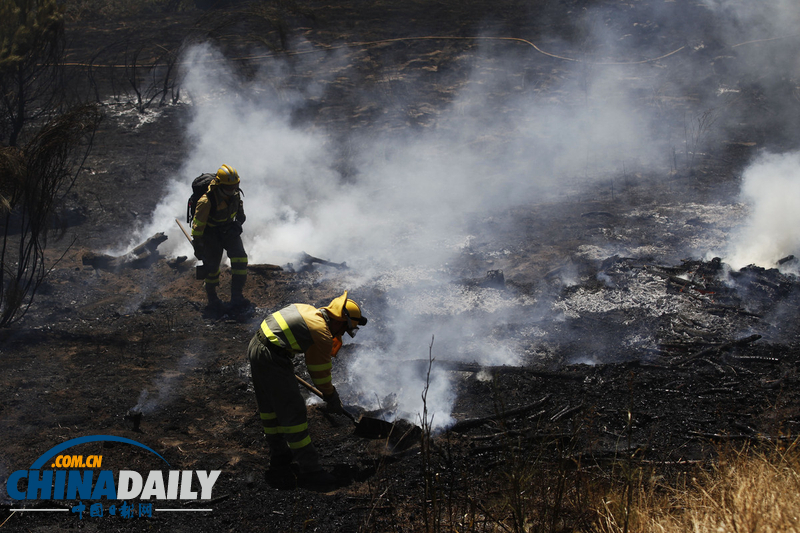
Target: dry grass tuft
746, 491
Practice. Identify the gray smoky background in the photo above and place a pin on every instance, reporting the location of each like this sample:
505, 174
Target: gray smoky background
636, 90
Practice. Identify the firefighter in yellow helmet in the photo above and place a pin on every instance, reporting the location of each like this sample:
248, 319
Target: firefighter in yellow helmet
317, 333
217, 226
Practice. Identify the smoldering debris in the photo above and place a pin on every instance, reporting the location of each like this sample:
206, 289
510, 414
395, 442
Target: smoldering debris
141, 256
134, 416
307, 263
699, 312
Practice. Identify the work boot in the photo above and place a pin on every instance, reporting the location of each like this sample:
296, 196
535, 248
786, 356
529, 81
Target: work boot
318, 481
238, 300
213, 300
281, 473
282, 459
282, 478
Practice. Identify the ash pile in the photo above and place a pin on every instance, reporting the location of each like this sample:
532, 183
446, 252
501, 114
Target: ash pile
626, 309
656, 362
729, 302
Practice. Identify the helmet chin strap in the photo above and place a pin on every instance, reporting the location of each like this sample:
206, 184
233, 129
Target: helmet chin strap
346, 315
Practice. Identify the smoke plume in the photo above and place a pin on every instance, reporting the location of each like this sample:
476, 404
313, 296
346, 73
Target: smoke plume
400, 206
770, 187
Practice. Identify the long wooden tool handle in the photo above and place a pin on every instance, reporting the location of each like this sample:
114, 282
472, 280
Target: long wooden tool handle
309, 386
316, 391
183, 230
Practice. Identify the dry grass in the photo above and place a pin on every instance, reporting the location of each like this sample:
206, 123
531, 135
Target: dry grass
746, 491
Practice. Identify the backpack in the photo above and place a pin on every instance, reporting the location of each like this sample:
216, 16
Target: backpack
199, 188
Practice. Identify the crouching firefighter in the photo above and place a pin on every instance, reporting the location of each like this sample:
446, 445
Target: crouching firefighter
317, 333
217, 226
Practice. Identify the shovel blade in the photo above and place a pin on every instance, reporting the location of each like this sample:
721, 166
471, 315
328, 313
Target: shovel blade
404, 435
373, 428
400, 435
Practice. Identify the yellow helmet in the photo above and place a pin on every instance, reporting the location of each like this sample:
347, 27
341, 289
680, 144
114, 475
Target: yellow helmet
346, 311
227, 175
353, 312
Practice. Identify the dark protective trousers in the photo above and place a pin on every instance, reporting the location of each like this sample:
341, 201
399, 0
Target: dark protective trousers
229, 239
282, 408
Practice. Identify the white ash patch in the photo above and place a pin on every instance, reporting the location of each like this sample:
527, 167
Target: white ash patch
126, 114
641, 292
453, 299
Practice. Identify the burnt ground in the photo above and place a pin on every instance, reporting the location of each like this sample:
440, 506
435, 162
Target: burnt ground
719, 363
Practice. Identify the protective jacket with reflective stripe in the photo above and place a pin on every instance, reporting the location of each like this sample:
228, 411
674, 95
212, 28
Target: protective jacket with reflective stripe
302, 328
226, 210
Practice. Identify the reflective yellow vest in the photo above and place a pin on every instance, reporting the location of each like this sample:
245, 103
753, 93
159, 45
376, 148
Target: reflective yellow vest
301, 328
226, 208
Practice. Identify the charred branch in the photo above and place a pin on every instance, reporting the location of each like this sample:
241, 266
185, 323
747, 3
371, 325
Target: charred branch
309, 260
566, 412
717, 349
755, 358
456, 366
141, 256
711, 363
464, 425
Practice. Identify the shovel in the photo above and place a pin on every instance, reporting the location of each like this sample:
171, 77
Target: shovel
373, 428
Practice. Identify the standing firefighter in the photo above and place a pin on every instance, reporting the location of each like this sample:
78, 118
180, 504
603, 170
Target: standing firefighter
217, 226
298, 328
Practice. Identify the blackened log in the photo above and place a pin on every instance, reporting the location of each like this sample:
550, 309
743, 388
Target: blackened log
149, 246
310, 259
141, 256
686, 283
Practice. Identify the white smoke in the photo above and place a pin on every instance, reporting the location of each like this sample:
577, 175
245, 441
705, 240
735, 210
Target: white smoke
404, 208
771, 188
404, 212
760, 49
744, 21
284, 170
412, 194
165, 386
399, 392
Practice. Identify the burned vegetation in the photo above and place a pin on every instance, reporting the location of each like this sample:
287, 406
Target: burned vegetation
578, 336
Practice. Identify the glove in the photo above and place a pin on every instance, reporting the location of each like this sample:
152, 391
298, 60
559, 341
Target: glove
240, 217
334, 403
199, 247
232, 230
336, 346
